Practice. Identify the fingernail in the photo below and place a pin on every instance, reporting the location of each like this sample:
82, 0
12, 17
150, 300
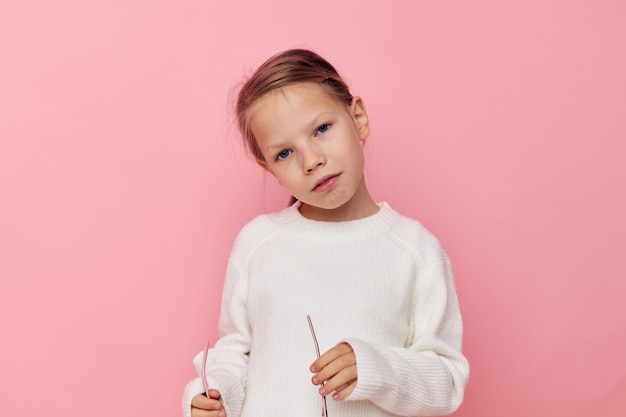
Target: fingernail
316, 380
220, 414
313, 368
335, 396
323, 390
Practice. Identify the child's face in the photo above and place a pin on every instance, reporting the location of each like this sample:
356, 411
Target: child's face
312, 144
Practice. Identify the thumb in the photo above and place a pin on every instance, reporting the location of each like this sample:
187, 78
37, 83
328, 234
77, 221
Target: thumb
215, 394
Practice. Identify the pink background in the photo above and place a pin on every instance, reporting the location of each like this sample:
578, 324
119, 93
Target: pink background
499, 124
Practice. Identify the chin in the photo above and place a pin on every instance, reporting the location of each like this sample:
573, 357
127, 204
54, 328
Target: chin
328, 202
330, 205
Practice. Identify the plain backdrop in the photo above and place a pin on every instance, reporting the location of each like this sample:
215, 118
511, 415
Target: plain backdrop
500, 125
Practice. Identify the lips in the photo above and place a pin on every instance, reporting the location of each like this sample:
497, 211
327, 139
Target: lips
326, 183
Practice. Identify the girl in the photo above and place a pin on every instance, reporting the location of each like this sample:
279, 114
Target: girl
377, 285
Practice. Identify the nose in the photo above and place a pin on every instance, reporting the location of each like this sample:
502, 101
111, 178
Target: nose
312, 159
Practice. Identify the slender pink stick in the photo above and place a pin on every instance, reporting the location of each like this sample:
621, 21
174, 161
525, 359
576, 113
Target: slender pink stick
204, 358
317, 352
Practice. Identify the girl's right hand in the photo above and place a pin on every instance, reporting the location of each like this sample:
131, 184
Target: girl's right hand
207, 406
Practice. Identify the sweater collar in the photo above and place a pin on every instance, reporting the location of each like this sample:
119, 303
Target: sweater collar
381, 221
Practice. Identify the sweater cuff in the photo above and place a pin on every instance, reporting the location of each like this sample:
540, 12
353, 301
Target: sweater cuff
369, 363
229, 400
192, 389
232, 393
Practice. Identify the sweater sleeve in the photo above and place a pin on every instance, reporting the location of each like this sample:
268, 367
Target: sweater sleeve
429, 376
227, 361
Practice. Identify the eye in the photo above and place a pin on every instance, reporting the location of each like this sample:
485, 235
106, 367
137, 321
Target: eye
323, 128
282, 155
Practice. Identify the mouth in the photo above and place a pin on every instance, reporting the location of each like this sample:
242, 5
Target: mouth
326, 183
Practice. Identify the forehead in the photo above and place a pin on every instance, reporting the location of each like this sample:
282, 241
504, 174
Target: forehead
296, 99
286, 113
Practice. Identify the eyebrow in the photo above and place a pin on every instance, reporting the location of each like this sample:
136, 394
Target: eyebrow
275, 147
313, 124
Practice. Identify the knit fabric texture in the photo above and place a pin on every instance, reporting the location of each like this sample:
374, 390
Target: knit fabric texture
383, 284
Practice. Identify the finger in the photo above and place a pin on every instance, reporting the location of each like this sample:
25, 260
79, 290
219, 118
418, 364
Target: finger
196, 412
215, 394
330, 355
340, 381
203, 403
200, 401
334, 367
344, 391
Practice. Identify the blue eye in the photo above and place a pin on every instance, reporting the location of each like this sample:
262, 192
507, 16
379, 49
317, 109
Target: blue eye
323, 128
282, 155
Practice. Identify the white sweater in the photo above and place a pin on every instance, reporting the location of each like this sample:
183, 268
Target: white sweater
382, 284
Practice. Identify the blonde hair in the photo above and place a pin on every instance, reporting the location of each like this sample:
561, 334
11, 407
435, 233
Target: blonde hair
283, 69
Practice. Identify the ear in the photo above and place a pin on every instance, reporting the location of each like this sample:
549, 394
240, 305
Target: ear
359, 115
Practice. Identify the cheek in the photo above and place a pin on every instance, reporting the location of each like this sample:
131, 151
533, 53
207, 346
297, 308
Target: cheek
278, 179
356, 152
282, 175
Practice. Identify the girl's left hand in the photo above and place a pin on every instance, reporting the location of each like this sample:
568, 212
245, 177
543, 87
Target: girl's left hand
336, 371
